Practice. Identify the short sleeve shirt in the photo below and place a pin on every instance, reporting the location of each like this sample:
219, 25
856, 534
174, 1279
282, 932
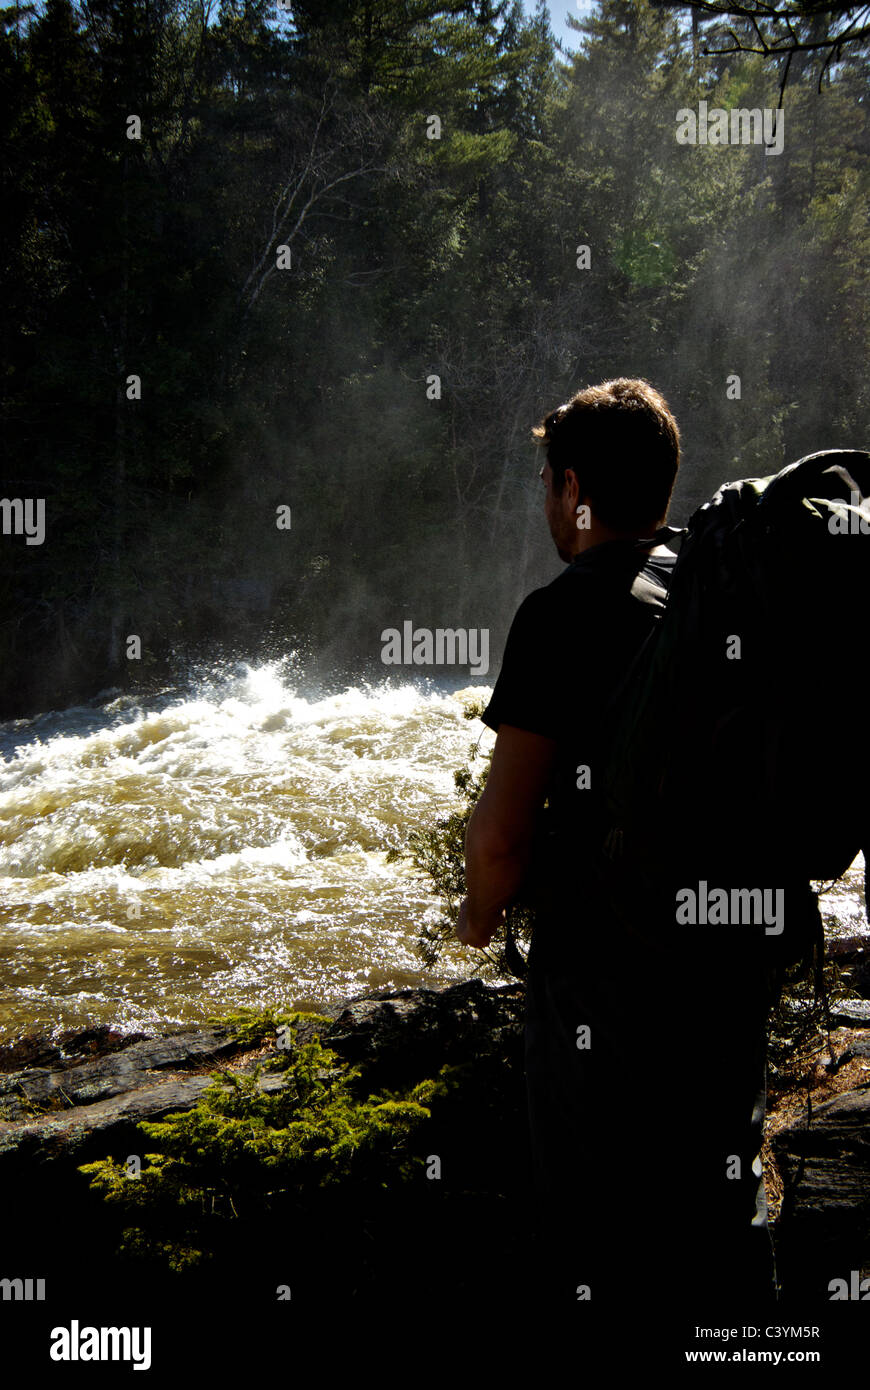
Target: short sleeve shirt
572, 641
570, 645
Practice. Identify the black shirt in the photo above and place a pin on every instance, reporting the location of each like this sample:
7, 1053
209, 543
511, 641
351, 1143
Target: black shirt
571, 641
569, 647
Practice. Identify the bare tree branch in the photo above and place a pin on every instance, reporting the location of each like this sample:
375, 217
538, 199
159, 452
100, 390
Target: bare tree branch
315, 179
855, 32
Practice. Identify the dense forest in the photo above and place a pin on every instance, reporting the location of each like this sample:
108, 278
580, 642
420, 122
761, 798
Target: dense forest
286, 289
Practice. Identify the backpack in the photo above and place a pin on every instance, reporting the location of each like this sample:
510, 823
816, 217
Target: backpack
733, 743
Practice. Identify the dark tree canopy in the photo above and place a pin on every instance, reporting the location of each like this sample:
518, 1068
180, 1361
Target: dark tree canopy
341, 259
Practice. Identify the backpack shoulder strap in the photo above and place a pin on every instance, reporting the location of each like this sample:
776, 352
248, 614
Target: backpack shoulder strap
654, 596
664, 533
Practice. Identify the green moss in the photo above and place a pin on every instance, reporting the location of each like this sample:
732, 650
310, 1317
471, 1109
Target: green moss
241, 1150
252, 1027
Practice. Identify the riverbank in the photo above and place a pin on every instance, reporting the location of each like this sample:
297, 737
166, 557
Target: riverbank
79, 1098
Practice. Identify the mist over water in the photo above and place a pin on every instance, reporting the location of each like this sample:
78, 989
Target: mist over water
247, 824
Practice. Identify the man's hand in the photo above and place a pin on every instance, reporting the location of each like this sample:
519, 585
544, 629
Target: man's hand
476, 931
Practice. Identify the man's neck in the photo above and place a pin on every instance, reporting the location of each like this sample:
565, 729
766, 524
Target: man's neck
592, 543
596, 534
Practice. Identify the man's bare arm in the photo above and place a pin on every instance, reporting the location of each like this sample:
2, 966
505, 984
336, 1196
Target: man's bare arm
500, 832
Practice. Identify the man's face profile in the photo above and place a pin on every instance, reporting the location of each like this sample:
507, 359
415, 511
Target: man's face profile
560, 509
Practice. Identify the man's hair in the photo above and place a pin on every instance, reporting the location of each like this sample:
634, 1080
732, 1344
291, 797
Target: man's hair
623, 443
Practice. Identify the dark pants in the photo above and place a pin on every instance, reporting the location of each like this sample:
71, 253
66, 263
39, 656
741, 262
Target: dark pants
645, 1143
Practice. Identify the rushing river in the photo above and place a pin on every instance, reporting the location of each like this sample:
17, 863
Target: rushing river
164, 861
197, 852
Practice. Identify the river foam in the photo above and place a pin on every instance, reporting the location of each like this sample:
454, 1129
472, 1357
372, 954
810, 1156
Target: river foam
220, 846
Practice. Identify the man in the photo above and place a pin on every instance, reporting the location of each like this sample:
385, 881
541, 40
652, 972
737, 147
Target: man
642, 1178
